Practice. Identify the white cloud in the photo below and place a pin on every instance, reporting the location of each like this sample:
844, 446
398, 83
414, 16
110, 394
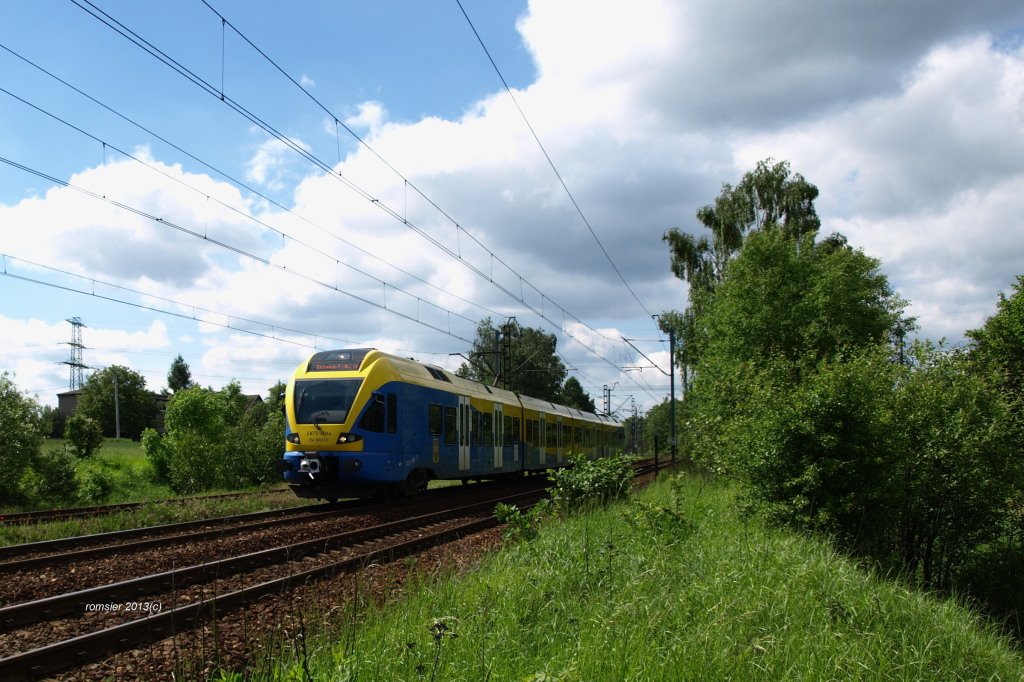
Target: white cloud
276, 164
905, 115
307, 82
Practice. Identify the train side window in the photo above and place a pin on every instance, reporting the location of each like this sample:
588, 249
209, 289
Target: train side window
474, 426
486, 429
450, 426
510, 435
373, 418
392, 413
578, 436
434, 419
515, 428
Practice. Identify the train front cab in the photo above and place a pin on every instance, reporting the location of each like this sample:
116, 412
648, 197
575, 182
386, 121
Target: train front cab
343, 419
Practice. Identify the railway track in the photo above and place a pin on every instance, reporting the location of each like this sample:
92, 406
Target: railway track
70, 628
240, 580
46, 515
48, 552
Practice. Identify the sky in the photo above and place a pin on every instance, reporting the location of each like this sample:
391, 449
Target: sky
249, 181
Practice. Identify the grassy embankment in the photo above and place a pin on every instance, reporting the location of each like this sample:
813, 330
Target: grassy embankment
634, 593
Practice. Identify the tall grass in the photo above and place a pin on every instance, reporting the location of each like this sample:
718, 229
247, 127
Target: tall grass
661, 589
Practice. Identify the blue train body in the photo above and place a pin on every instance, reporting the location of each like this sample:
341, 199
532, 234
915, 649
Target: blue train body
360, 422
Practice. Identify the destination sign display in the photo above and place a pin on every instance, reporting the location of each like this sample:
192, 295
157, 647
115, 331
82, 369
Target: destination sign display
338, 360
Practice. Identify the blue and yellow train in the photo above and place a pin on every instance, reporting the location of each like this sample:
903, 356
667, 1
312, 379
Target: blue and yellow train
362, 422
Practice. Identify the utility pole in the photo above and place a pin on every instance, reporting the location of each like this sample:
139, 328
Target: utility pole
672, 387
117, 411
633, 400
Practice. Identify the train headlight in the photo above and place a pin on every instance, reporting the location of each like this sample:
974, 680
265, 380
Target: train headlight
292, 438
348, 438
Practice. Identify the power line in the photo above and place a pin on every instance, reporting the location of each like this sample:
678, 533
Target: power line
282, 234
312, 158
186, 73
225, 175
272, 329
548, 157
242, 252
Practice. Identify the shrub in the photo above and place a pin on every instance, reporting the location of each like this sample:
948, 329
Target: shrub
215, 439
519, 525
158, 455
95, 482
958, 466
590, 482
51, 480
20, 437
83, 435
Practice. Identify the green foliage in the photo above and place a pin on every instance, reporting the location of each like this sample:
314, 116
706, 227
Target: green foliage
519, 525
20, 436
958, 468
158, 455
590, 482
179, 376
573, 395
769, 198
657, 425
798, 300
215, 439
96, 482
998, 346
83, 435
135, 402
51, 479
536, 369
594, 598
815, 454
275, 397
667, 521
51, 423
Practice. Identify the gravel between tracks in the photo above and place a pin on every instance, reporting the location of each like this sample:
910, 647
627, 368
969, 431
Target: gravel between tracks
240, 641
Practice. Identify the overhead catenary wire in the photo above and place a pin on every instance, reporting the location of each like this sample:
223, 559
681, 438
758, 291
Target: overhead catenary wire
237, 250
547, 156
176, 66
231, 179
198, 313
234, 209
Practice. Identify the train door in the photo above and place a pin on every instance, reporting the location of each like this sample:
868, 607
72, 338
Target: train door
559, 444
499, 437
543, 441
464, 433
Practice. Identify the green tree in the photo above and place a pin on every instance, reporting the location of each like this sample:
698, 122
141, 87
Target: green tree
769, 197
958, 468
797, 299
998, 347
135, 403
275, 397
573, 395
20, 437
657, 425
180, 375
535, 368
215, 439
83, 435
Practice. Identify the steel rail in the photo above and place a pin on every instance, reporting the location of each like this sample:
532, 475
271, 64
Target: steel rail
39, 662
46, 515
27, 613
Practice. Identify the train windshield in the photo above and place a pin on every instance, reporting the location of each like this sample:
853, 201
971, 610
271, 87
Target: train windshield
324, 401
